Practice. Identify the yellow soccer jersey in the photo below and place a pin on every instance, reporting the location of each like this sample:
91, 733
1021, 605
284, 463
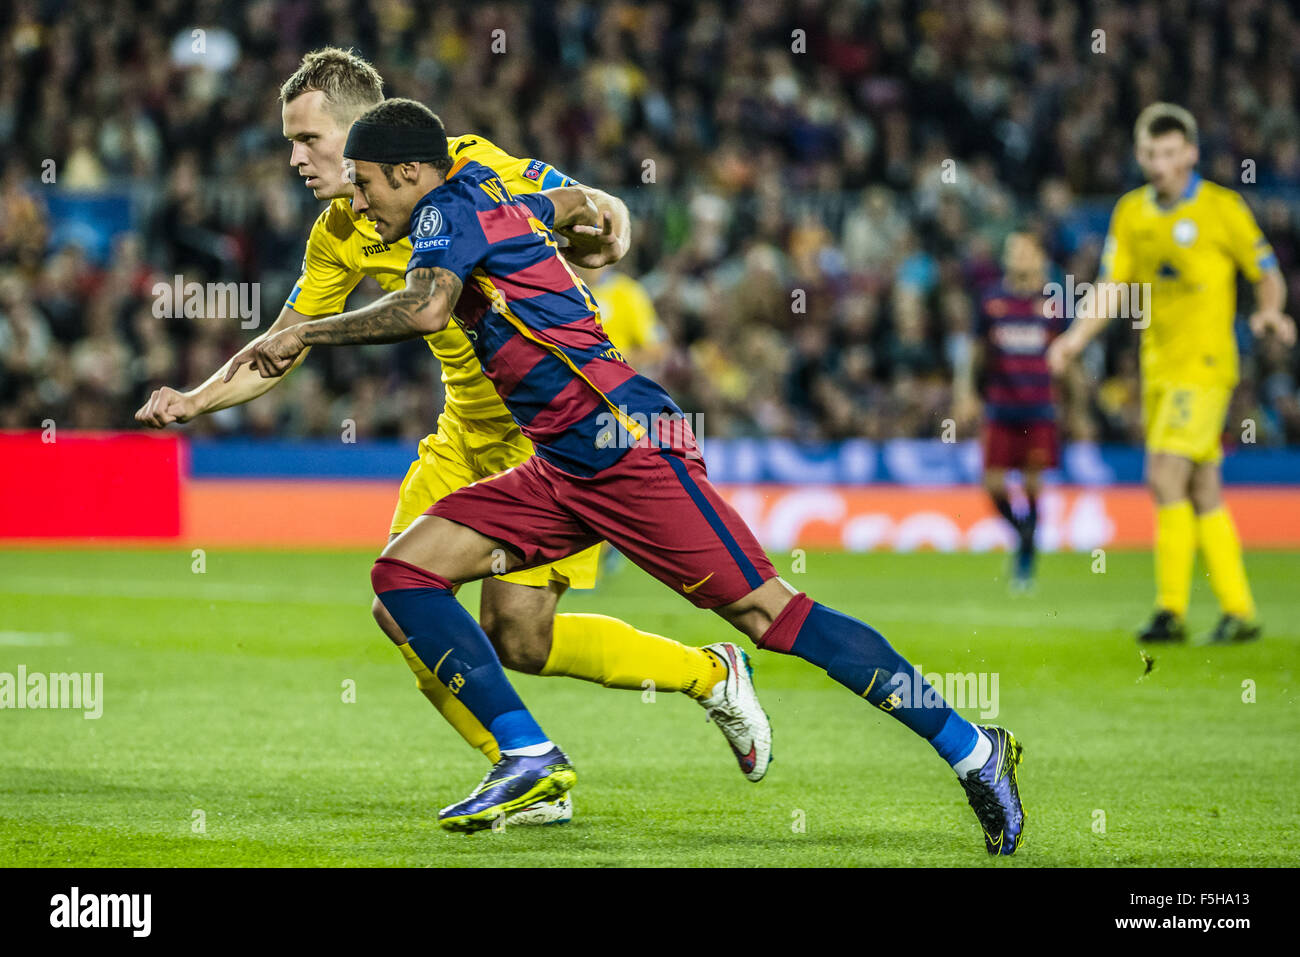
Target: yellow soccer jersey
1190, 253
344, 247
626, 312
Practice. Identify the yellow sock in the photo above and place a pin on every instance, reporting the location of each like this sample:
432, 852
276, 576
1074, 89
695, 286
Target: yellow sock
1175, 553
1222, 551
457, 715
613, 653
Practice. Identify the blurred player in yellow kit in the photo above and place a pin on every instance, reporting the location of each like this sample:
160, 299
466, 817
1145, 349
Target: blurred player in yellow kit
476, 436
628, 316
1186, 239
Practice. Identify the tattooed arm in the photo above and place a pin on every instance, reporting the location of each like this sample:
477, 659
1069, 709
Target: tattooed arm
422, 308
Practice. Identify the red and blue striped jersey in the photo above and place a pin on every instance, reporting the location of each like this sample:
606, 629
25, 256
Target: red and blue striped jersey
1016, 330
534, 325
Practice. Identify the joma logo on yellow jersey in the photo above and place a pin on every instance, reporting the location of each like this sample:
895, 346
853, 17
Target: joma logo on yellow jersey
375, 248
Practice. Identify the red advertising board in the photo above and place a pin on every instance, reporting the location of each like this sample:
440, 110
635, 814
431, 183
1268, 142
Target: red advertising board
86, 485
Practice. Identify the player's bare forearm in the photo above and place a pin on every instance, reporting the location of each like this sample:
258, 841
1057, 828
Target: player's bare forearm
422, 308
1085, 328
1095, 312
1268, 319
1092, 318
167, 405
245, 385
1270, 292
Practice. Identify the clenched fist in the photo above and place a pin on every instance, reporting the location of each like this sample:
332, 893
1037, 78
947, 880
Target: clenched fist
1273, 322
164, 407
593, 246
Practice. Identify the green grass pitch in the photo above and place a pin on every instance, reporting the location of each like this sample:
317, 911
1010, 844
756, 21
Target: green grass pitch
224, 706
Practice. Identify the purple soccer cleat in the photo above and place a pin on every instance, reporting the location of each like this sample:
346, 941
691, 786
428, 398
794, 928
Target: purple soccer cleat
993, 793
515, 782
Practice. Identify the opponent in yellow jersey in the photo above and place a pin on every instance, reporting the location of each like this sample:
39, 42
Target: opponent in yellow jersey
476, 436
1179, 243
627, 315
1190, 252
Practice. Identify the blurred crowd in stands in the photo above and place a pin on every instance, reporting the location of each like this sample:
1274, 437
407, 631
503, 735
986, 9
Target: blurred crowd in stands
820, 188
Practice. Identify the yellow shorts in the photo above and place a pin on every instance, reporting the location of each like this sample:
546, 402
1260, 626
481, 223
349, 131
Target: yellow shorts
1186, 420
458, 454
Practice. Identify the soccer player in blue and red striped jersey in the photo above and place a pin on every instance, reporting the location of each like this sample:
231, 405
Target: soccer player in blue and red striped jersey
1015, 324
614, 460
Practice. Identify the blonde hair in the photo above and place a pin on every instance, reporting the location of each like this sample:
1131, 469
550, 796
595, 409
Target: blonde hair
350, 84
1160, 118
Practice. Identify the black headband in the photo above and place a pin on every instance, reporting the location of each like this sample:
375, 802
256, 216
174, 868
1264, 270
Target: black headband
373, 143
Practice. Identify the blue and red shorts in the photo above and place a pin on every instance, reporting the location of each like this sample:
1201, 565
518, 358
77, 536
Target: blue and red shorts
655, 505
1021, 445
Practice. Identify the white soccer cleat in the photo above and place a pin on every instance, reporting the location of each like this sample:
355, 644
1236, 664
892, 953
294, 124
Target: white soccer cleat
734, 708
558, 811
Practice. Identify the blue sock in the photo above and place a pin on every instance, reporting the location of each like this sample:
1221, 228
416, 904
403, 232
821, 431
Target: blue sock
956, 739
859, 657
455, 648
517, 727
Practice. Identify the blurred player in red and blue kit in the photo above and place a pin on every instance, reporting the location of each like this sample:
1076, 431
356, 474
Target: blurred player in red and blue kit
614, 460
1008, 366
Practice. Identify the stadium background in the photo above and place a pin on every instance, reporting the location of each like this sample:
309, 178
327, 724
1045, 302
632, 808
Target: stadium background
142, 143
